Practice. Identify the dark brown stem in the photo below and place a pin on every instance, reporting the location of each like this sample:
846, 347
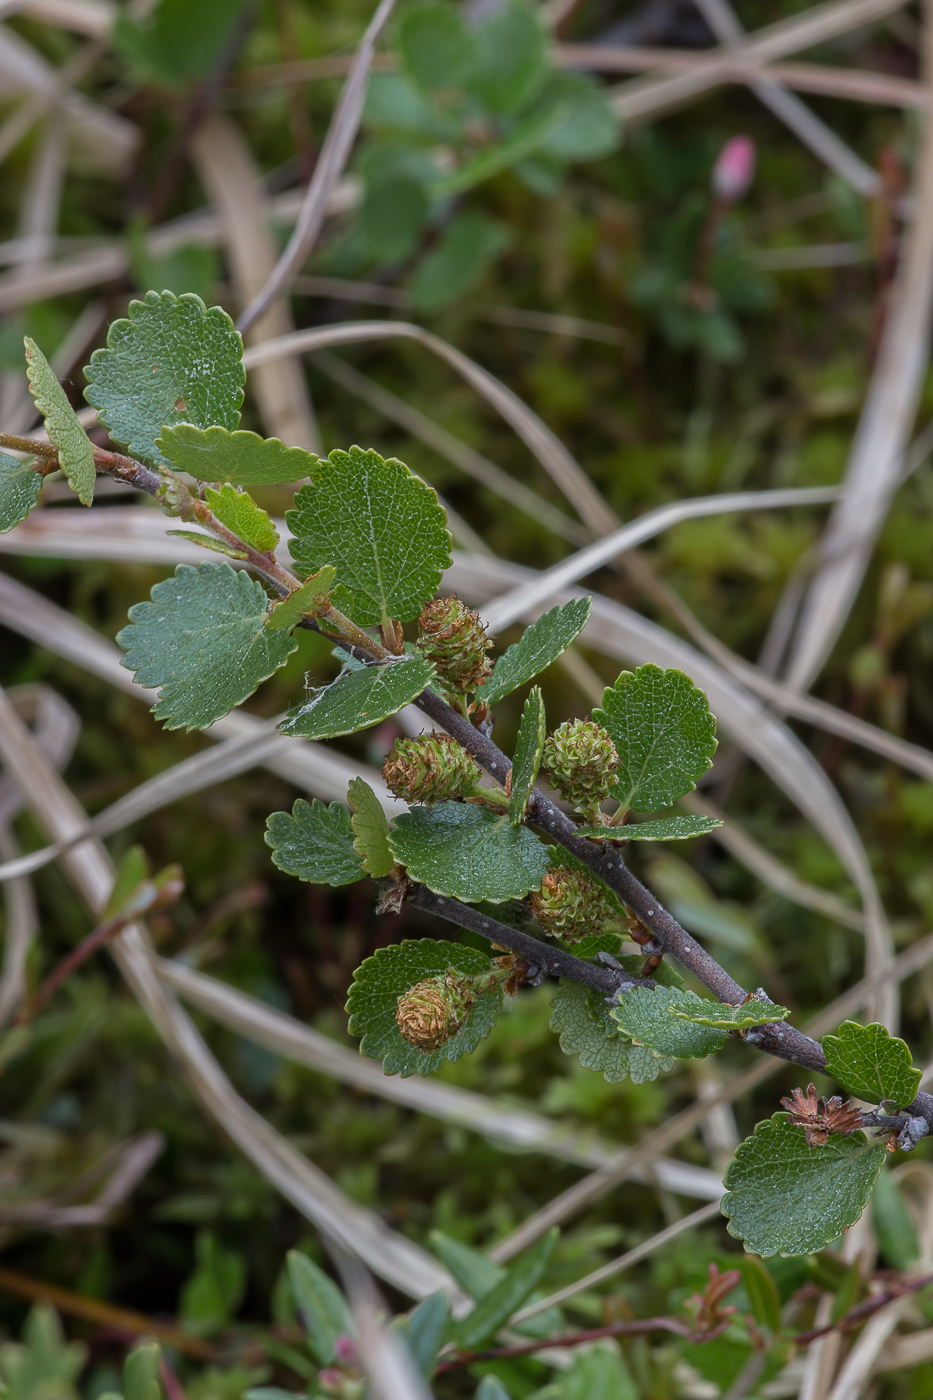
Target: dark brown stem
554, 961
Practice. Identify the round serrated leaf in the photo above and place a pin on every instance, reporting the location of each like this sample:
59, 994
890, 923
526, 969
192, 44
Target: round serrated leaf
529, 747
20, 487
75, 449
171, 360
380, 526
370, 829
358, 698
784, 1197
541, 643
664, 734
702, 1012
664, 829
581, 1019
871, 1063
315, 842
388, 975
459, 849
203, 641
242, 458
644, 1015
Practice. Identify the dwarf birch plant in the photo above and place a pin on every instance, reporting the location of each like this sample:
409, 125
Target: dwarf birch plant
480, 846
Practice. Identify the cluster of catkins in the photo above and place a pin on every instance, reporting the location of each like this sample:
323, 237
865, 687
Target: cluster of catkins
579, 760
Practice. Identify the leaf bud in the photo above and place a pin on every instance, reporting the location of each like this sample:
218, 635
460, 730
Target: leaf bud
572, 905
432, 768
433, 1010
580, 760
453, 636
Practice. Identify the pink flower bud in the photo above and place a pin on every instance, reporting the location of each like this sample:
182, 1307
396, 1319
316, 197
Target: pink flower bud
734, 170
330, 1381
345, 1350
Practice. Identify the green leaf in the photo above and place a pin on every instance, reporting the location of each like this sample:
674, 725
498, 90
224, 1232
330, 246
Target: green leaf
587, 126
20, 488
491, 1388
202, 639
461, 255
598, 1375
315, 842
511, 59
290, 611
320, 1306
213, 1293
664, 733
358, 699
240, 513
43, 1363
542, 643
459, 849
131, 872
176, 42
242, 458
382, 528
388, 975
872, 1064
783, 1197
664, 829
75, 450
390, 219
529, 747
171, 360
644, 1016
424, 1330
370, 828
435, 47
141, 1373
496, 1307
727, 1018
475, 1272
209, 542
583, 1022
762, 1293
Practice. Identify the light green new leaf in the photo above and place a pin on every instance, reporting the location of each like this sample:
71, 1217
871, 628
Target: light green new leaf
202, 640
702, 1012
290, 611
762, 1293
209, 542
783, 1197
240, 513
644, 1016
581, 1018
664, 734
20, 488
320, 1306
664, 829
383, 529
170, 360
358, 699
141, 1373
529, 747
388, 975
43, 1363
872, 1064
315, 842
542, 643
242, 458
496, 1307
459, 849
75, 450
370, 829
